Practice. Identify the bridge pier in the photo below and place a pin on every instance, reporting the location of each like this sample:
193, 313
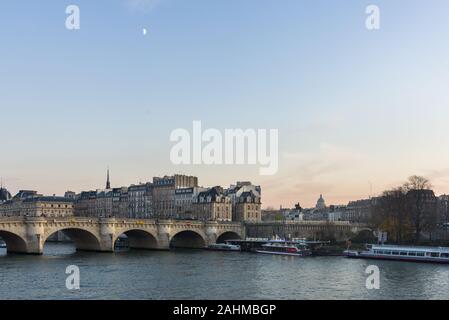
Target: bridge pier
211, 234
163, 235
35, 235
163, 241
34, 245
107, 232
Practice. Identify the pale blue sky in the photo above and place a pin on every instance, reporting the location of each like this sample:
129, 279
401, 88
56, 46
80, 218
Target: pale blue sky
352, 106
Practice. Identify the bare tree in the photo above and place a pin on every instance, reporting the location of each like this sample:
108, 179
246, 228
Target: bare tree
407, 211
417, 183
391, 214
421, 204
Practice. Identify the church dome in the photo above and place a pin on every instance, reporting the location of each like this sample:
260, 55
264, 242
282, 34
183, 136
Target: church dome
4, 195
321, 204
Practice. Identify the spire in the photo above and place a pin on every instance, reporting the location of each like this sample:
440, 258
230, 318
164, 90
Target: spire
108, 183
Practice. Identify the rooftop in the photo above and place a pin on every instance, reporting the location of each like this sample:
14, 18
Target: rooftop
48, 199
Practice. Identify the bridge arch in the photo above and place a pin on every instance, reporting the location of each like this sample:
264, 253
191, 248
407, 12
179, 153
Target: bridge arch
188, 239
228, 235
14, 242
83, 239
139, 239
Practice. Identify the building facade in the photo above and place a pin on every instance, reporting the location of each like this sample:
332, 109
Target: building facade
37, 206
145, 200
176, 196
47, 207
103, 203
184, 199
140, 200
443, 209
359, 211
212, 205
248, 208
246, 201
164, 193
13, 206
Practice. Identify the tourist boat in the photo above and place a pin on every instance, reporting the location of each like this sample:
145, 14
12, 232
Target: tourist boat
401, 253
224, 247
284, 248
2, 244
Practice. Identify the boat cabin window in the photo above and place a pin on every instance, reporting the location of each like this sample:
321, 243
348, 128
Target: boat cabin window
420, 254
403, 253
435, 254
413, 254
396, 253
445, 255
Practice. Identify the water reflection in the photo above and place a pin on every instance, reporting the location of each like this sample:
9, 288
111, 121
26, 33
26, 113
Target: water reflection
198, 274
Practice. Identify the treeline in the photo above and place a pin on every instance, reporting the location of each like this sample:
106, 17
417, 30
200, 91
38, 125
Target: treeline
409, 213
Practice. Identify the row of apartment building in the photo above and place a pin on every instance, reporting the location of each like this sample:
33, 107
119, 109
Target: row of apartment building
168, 197
177, 197
358, 211
355, 211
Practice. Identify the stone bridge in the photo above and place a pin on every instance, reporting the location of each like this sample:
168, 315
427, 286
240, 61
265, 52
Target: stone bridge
29, 234
319, 230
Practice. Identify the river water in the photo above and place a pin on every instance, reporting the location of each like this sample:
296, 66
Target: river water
198, 274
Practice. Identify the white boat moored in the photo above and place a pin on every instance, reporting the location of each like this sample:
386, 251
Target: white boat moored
401, 253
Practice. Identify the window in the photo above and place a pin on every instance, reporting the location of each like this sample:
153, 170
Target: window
435, 254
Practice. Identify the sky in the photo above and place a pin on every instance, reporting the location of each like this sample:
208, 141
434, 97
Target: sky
358, 111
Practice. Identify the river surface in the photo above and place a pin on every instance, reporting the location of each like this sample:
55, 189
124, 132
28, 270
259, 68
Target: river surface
198, 274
